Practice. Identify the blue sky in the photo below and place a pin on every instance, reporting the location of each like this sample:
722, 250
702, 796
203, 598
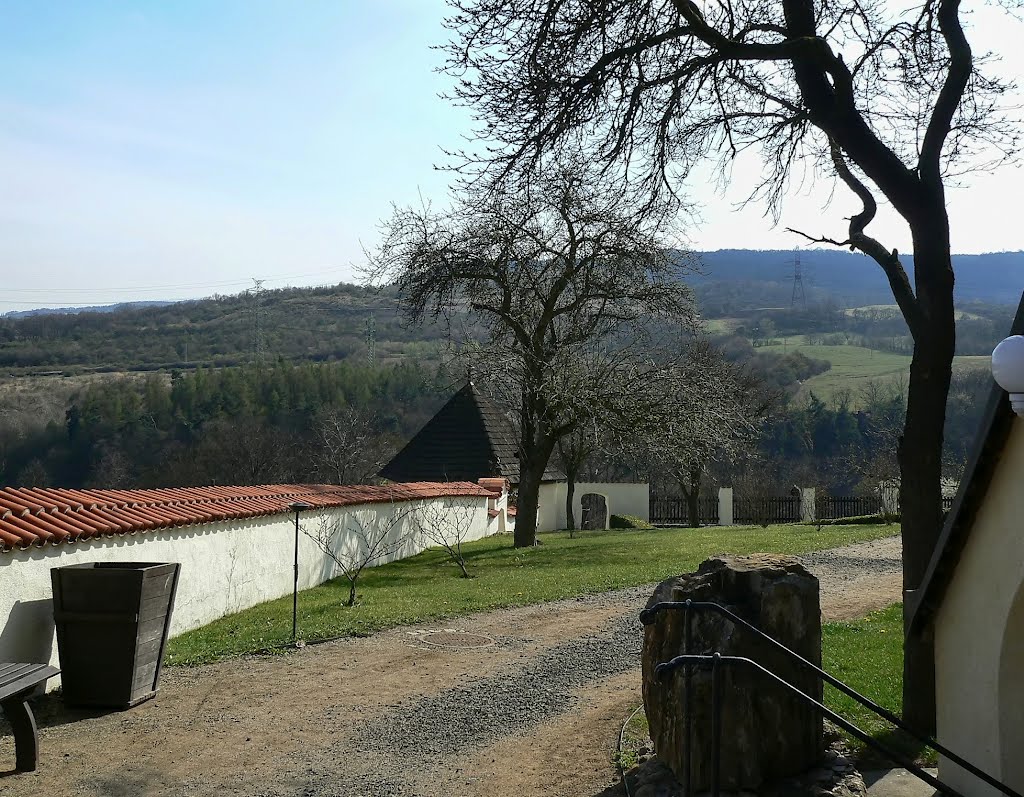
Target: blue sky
164, 150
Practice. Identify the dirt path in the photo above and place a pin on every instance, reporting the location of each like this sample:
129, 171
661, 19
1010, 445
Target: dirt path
536, 712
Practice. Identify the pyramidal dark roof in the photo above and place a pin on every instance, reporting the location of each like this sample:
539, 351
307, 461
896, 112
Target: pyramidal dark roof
469, 438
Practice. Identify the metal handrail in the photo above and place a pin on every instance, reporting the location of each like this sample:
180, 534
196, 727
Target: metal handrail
716, 659
648, 615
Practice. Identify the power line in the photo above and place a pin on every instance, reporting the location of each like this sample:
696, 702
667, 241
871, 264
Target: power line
798, 282
257, 321
371, 339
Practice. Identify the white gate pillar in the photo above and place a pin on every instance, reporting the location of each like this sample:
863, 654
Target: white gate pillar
725, 506
808, 505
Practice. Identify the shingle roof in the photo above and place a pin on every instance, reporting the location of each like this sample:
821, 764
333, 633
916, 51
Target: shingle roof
981, 467
33, 516
468, 438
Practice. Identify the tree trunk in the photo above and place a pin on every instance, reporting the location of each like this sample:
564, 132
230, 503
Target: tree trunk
570, 493
693, 500
920, 452
530, 475
535, 447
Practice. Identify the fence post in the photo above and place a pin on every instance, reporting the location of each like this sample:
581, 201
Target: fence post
725, 506
808, 507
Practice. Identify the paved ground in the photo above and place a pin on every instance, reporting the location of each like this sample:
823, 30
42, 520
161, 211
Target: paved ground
536, 713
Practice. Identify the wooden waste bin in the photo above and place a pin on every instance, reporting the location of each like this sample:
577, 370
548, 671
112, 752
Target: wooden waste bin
112, 620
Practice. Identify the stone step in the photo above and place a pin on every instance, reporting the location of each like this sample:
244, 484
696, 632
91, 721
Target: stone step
897, 783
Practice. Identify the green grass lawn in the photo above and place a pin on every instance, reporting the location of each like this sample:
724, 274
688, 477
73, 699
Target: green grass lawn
867, 654
427, 586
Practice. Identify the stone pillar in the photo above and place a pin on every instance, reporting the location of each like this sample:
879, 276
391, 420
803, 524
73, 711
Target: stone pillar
725, 506
767, 734
808, 505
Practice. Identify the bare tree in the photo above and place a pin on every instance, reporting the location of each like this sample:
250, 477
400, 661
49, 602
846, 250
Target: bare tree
887, 99
560, 271
574, 449
714, 416
348, 450
354, 543
447, 523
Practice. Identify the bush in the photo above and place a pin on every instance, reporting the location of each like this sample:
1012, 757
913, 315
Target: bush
628, 522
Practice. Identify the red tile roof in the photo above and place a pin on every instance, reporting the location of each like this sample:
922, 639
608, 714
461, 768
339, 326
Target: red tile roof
34, 516
496, 485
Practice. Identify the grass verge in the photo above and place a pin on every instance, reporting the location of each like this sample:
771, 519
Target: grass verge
867, 654
427, 586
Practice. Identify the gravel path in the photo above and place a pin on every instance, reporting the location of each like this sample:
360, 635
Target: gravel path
537, 713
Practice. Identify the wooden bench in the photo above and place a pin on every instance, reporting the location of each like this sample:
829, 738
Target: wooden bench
16, 681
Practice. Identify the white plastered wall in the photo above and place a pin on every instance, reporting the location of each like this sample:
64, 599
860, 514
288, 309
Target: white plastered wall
225, 567
551, 506
623, 498
979, 637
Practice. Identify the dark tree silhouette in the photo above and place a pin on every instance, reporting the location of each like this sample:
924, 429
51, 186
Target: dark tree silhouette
888, 99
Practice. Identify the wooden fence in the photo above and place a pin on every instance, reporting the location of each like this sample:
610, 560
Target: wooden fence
832, 507
666, 511
674, 512
772, 509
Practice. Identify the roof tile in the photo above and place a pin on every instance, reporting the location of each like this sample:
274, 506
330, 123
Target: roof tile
37, 516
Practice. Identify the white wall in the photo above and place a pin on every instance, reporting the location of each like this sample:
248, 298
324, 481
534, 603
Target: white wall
979, 638
225, 567
621, 498
551, 507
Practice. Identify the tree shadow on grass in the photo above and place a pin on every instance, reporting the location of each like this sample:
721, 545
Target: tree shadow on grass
899, 742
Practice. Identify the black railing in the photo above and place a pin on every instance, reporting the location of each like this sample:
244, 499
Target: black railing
647, 616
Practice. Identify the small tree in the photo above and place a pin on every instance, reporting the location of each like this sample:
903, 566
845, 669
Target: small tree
714, 416
574, 449
447, 522
348, 450
354, 543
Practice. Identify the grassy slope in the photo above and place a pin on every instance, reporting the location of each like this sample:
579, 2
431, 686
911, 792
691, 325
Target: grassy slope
853, 367
427, 586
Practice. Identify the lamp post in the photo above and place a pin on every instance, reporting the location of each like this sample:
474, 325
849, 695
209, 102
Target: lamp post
296, 507
1008, 370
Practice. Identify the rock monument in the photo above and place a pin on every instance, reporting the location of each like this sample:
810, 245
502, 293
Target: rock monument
767, 733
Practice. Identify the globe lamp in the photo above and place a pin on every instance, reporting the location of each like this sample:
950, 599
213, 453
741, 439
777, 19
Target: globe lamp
1008, 370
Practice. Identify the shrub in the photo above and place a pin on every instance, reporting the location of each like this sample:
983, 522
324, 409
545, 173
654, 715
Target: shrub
628, 522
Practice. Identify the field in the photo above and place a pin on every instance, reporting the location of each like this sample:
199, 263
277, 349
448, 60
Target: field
854, 367
893, 311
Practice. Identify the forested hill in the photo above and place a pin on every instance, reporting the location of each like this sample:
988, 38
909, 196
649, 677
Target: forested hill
297, 324
320, 324
852, 279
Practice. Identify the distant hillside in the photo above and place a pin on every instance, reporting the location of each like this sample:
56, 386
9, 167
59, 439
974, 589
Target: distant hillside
296, 324
332, 323
97, 308
852, 279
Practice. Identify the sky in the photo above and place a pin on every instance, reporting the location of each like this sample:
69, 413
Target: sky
155, 151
